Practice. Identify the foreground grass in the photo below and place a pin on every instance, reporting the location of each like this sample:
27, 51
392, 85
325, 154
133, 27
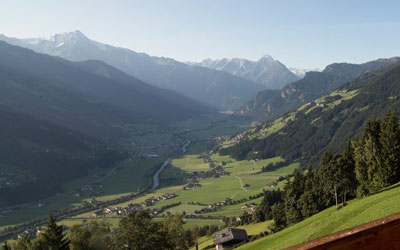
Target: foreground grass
358, 211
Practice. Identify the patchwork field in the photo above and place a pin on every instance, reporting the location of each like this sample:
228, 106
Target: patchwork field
241, 182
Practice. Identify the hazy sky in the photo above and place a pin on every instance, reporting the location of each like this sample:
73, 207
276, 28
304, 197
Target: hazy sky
305, 34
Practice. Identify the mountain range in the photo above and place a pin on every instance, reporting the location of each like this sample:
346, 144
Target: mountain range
60, 119
326, 123
88, 96
266, 71
211, 87
270, 104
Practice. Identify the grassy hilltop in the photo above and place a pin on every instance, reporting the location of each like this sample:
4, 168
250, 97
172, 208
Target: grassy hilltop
357, 212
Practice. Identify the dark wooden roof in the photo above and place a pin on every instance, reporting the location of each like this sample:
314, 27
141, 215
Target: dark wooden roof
382, 234
230, 235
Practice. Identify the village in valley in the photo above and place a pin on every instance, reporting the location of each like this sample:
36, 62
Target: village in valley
134, 207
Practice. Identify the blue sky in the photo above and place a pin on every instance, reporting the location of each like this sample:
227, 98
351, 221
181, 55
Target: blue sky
304, 34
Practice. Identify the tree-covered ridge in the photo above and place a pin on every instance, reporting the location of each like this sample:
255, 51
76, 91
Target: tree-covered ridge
365, 166
322, 126
267, 105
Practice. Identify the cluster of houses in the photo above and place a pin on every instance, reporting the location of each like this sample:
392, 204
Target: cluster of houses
271, 184
213, 173
9, 179
214, 206
134, 207
252, 206
320, 103
34, 232
88, 188
4, 211
152, 200
191, 185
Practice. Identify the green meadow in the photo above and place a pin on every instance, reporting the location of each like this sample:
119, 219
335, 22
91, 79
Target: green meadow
357, 212
230, 186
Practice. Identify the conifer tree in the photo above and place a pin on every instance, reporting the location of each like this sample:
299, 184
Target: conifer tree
176, 235
308, 200
292, 192
390, 142
138, 231
6, 246
368, 160
23, 243
331, 175
53, 237
361, 168
347, 178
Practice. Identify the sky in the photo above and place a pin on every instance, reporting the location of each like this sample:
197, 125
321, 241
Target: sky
299, 33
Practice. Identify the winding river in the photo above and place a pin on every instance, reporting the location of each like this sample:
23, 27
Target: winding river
156, 179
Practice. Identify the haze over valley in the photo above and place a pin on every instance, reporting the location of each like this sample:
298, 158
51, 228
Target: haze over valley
225, 125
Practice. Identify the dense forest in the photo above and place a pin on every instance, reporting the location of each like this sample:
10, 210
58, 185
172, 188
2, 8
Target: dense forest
365, 166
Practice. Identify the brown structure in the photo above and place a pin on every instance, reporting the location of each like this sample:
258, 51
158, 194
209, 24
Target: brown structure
381, 234
227, 238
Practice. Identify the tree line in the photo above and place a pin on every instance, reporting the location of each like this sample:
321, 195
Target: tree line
137, 230
365, 166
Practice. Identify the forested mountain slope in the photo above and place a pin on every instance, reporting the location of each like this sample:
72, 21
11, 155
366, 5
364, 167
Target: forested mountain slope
90, 96
325, 123
36, 157
265, 106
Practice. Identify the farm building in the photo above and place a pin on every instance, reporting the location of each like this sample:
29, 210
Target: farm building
227, 238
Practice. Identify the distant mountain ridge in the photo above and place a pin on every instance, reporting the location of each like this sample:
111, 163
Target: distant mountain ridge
88, 96
60, 120
325, 123
267, 104
215, 88
266, 71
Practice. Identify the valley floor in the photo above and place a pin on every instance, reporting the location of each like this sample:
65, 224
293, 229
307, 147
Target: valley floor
132, 176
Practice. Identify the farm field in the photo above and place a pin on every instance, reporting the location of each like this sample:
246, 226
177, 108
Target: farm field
241, 183
357, 212
188, 223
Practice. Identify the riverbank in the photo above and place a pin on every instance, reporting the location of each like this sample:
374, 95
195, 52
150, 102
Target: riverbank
156, 176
